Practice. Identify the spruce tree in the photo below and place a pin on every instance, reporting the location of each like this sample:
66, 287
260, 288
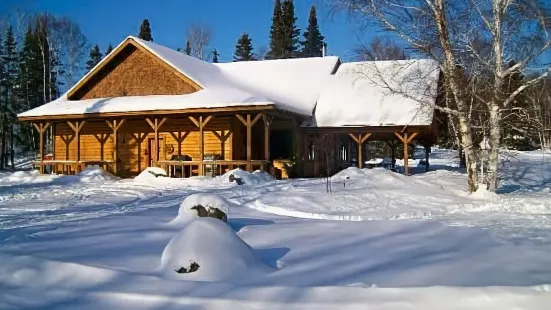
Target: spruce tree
289, 30
313, 44
276, 38
95, 57
109, 49
243, 49
11, 61
145, 31
4, 110
215, 56
188, 48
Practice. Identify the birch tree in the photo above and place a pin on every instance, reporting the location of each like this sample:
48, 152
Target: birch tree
198, 38
450, 32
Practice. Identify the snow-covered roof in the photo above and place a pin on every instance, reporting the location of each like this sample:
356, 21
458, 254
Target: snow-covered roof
353, 96
379, 93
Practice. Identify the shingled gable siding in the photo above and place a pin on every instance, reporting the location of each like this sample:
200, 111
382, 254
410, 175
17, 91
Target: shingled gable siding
133, 73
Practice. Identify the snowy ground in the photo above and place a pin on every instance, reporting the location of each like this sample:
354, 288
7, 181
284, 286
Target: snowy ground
379, 241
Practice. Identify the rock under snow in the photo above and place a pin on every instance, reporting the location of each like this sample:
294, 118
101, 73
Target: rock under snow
202, 205
151, 173
247, 178
220, 254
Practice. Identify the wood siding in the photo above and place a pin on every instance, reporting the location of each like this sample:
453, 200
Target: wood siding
133, 72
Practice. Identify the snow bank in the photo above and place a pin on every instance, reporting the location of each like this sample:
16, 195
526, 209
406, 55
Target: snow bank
95, 174
151, 173
257, 177
220, 253
21, 177
209, 201
375, 175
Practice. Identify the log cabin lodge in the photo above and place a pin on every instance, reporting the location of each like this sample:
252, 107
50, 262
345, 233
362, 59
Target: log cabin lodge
147, 105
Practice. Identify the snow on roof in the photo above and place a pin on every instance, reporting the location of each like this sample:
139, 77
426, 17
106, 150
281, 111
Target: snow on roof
207, 98
354, 96
292, 83
379, 93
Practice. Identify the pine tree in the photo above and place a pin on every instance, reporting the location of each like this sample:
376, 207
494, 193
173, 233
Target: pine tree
289, 31
109, 49
243, 49
95, 57
188, 48
313, 44
4, 119
215, 56
145, 31
276, 43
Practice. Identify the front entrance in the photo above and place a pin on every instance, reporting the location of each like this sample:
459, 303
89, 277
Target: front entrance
152, 153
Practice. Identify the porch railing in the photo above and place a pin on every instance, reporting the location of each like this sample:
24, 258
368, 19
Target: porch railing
185, 169
69, 167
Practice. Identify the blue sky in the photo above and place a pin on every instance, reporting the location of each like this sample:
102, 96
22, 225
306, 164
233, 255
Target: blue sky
105, 21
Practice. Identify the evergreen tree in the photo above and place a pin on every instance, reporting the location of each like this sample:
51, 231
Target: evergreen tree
290, 34
109, 49
145, 31
215, 56
276, 38
95, 57
188, 48
313, 44
243, 49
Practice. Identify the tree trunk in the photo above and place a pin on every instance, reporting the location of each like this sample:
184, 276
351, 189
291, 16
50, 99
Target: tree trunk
12, 149
495, 137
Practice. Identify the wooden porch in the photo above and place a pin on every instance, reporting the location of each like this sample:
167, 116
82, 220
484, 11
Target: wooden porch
185, 145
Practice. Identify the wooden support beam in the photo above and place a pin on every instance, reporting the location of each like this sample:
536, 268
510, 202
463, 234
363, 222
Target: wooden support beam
115, 125
139, 137
156, 124
223, 137
249, 124
102, 139
77, 127
67, 139
179, 137
406, 140
267, 123
41, 128
201, 123
360, 139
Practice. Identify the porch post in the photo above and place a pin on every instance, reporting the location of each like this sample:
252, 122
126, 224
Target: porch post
139, 138
266, 139
115, 126
156, 124
360, 139
77, 127
41, 128
249, 124
201, 123
406, 140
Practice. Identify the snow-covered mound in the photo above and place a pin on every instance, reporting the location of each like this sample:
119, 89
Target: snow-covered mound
214, 246
375, 175
21, 177
151, 173
95, 174
208, 201
248, 178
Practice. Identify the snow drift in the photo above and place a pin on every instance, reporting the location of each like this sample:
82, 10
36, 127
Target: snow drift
95, 174
214, 246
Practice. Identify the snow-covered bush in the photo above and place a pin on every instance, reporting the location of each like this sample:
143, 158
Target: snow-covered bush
202, 205
209, 250
151, 173
247, 178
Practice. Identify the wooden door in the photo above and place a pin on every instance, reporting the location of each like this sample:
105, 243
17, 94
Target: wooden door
152, 153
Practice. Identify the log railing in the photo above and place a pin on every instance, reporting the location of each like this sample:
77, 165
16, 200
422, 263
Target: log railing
70, 167
185, 169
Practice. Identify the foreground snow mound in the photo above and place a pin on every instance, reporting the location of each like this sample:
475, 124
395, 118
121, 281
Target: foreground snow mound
257, 177
21, 177
210, 202
214, 246
95, 174
151, 173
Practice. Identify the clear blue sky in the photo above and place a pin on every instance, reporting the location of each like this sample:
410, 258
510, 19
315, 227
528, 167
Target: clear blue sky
105, 21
